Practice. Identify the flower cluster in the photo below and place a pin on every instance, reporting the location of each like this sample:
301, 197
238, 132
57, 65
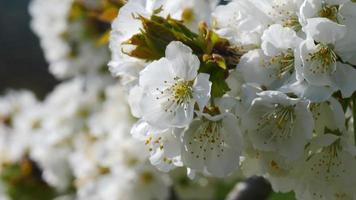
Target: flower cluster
73, 33
196, 95
76, 143
263, 86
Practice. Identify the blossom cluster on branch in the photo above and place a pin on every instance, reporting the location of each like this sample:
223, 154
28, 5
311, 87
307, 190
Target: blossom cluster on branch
262, 86
196, 95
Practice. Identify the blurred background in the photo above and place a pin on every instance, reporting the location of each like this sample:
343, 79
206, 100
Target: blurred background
22, 64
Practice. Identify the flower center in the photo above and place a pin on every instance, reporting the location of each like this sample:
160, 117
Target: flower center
146, 177
328, 163
209, 139
6, 120
292, 22
188, 15
182, 91
279, 122
285, 61
286, 14
325, 56
329, 11
36, 124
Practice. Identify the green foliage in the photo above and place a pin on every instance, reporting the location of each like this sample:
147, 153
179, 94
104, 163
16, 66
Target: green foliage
216, 54
217, 77
23, 182
224, 188
157, 33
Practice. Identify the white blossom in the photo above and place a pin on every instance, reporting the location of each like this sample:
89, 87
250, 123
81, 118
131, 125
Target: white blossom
126, 25
278, 123
169, 99
327, 173
163, 145
213, 144
276, 62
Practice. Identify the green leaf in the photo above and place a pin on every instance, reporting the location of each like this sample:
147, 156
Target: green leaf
219, 86
217, 77
23, 182
215, 53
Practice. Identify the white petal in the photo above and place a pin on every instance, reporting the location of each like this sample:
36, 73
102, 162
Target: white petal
346, 47
201, 90
277, 39
219, 163
324, 30
293, 148
154, 112
135, 96
175, 48
183, 116
309, 9
185, 64
131, 69
312, 69
190, 148
235, 81
125, 24
313, 93
252, 66
142, 129
323, 141
156, 74
344, 79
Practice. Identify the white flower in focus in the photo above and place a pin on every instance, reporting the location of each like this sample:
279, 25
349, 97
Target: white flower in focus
126, 25
277, 60
278, 123
303, 89
330, 44
347, 44
327, 173
235, 81
172, 86
322, 68
163, 145
327, 115
284, 12
270, 165
213, 144
244, 21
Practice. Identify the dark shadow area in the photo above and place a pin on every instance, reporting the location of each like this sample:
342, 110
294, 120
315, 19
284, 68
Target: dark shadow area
22, 64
